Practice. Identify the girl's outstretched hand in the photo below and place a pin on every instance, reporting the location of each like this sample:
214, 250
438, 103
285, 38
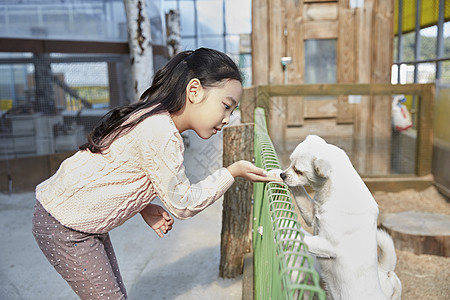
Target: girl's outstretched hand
157, 218
249, 171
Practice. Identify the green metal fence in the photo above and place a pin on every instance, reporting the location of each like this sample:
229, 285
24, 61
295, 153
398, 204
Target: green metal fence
283, 269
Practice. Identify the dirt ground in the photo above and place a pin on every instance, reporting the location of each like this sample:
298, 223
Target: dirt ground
422, 276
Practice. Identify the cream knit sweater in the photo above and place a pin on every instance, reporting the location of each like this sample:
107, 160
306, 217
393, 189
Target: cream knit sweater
95, 193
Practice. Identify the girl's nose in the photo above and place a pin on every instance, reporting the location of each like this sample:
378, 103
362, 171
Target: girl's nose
226, 120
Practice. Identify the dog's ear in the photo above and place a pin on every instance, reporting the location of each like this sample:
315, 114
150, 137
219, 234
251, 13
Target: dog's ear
322, 167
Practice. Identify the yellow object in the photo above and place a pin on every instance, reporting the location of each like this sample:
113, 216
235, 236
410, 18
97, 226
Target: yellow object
6, 104
93, 94
429, 14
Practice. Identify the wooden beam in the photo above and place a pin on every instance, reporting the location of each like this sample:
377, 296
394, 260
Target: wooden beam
315, 30
396, 184
344, 89
320, 11
68, 46
61, 46
318, 1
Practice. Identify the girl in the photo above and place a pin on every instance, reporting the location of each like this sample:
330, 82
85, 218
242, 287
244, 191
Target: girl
133, 156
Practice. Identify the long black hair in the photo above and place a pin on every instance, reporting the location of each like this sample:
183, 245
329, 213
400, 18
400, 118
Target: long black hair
167, 92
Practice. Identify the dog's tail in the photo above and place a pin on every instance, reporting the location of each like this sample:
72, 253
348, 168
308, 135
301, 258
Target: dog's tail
387, 259
390, 283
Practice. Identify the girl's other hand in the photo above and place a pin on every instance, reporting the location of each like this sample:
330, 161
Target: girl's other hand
157, 218
249, 171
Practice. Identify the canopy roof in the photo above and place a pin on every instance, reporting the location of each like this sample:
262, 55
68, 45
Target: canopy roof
429, 14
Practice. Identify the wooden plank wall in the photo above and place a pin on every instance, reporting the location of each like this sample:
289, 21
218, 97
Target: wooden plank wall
364, 47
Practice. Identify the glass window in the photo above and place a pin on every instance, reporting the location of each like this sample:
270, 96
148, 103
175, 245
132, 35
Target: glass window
210, 17
99, 20
168, 5
428, 43
320, 61
187, 17
238, 16
245, 65
232, 43
447, 39
446, 72
211, 42
188, 43
13, 86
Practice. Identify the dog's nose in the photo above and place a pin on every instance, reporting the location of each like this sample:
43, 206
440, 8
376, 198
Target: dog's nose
283, 176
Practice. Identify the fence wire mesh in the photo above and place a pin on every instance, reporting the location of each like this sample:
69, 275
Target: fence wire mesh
283, 267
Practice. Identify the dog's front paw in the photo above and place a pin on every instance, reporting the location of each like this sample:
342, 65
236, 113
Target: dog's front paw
320, 247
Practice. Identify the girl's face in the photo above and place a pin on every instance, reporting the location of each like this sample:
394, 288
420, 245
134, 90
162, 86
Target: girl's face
213, 112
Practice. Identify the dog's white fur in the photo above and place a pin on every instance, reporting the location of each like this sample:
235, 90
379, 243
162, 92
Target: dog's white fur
344, 222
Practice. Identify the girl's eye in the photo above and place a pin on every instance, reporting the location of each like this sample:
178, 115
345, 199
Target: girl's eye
227, 107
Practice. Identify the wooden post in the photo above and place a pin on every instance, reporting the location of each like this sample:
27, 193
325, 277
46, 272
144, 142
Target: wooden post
424, 146
277, 25
247, 104
260, 42
294, 39
346, 69
236, 216
263, 100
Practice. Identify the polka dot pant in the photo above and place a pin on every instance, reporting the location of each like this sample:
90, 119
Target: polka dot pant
86, 261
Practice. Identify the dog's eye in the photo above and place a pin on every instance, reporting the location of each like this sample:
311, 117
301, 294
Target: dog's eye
298, 172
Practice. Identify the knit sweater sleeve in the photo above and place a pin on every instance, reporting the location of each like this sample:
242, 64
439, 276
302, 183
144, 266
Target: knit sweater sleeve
162, 160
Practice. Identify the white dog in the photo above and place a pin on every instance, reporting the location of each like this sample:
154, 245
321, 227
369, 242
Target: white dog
343, 216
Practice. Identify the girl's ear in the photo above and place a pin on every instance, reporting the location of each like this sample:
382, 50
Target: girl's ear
194, 90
